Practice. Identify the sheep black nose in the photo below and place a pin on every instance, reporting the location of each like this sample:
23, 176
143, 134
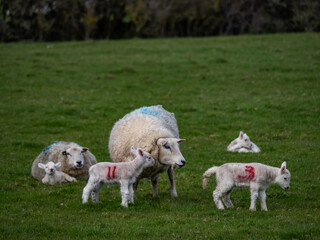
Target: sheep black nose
79, 162
183, 162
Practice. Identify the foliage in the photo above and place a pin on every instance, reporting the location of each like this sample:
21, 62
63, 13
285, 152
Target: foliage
53, 20
266, 85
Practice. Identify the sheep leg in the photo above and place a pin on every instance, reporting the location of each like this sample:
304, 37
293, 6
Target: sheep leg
172, 182
254, 196
263, 196
95, 192
226, 199
135, 186
154, 182
86, 192
216, 198
124, 188
131, 198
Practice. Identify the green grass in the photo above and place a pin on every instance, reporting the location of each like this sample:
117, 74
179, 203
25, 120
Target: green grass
268, 86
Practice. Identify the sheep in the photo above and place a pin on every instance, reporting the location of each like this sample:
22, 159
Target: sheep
243, 144
255, 176
155, 130
75, 160
54, 176
125, 173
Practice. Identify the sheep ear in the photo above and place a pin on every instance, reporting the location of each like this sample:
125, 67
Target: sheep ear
85, 149
181, 140
140, 152
162, 141
283, 167
40, 165
241, 135
58, 164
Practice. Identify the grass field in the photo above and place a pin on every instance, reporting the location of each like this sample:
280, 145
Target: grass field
268, 86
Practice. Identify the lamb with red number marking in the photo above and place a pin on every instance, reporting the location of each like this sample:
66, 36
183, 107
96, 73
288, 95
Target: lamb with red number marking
125, 173
255, 176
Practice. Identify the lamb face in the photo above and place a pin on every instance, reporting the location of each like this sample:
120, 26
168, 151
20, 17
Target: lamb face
50, 168
283, 179
148, 159
169, 152
74, 156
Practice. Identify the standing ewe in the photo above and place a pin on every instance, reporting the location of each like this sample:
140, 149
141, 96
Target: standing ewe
110, 173
53, 176
154, 130
243, 144
75, 160
255, 176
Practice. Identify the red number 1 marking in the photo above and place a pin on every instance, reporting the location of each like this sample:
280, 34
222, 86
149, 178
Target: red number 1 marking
250, 170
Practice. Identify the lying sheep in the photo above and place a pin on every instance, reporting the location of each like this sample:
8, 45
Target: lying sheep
154, 130
255, 176
110, 173
243, 144
54, 176
75, 160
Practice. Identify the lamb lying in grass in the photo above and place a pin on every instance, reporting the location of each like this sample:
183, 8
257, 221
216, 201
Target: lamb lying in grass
125, 173
243, 144
54, 176
255, 176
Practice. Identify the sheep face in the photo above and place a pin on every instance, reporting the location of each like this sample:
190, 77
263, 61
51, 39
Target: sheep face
169, 152
283, 179
50, 168
243, 141
74, 156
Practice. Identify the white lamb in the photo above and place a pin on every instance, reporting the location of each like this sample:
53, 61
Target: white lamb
243, 144
54, 176
255, 176
125, 173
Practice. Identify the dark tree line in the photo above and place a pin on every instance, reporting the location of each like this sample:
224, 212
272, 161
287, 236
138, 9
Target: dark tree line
62, 20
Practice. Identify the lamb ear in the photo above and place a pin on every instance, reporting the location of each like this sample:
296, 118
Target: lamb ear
140, 152
133, 150
241, 135
58, 165
40, 165
181, 140
85, 149
283, 167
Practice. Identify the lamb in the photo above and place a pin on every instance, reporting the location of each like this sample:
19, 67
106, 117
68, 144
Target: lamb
243, 144
125, 173
255, 176
155, 130
75, 160
54, 176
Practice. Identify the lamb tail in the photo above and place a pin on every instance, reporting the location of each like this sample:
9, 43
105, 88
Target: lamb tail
207, 175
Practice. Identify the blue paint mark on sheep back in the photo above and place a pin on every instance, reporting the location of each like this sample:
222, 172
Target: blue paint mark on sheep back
151, 110
49, 147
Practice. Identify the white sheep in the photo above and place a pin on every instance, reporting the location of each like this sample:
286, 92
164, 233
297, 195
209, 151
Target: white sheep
255, 176
54, 176
75, 160
110, 173
155, 130
243, 144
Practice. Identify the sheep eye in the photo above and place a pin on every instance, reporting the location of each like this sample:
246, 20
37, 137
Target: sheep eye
285, 178
166, 146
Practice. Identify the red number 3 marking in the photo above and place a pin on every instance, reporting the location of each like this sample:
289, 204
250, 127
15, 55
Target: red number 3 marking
250, 170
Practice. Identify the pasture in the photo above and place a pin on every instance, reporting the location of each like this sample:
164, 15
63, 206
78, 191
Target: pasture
266, 85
